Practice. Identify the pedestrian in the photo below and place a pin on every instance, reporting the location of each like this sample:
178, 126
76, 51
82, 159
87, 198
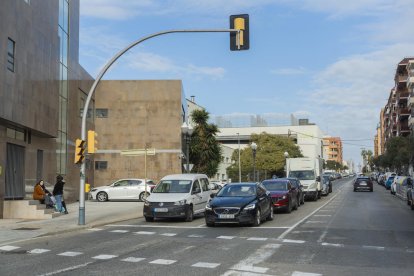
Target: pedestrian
40, 192
58, 194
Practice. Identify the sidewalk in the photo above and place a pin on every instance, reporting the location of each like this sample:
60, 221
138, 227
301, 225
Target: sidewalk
96, 214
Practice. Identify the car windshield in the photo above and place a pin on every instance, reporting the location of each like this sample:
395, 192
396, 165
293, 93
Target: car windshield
302, 175
326, 178
237, 191
173, 186
275, 185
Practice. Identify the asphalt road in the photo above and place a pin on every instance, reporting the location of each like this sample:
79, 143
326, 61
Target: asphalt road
345, 233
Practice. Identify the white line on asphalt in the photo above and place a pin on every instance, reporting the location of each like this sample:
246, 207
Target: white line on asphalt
94, 229
304, 231
144, 233
381, 248
38, 251
238, 273
299, 273
104, 257
315, 221
250, 268
410, 251
70, 254
66, 269
322, 215
283, 235
324, 233
133, 259
206, 265
226, 237
163, 262
270, 227
119, 231
292, 241
257, 239
8, 248
153, 226
168, 234
332, 244
196, 236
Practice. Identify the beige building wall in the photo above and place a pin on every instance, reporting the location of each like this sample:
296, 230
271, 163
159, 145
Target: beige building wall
140, 114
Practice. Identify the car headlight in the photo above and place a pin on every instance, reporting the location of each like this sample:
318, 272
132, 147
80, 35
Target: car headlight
180, 202
250, 207
208, 207
284, 197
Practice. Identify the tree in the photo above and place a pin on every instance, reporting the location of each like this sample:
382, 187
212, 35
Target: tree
205, 150
270, 158
333, 165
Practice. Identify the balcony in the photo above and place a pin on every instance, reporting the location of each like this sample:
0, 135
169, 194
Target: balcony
410, 82
411, 120
403, 113
401, 78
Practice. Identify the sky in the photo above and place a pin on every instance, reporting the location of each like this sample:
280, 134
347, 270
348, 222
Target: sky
330, 61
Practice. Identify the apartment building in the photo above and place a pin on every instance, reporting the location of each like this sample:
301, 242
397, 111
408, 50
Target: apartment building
333, 149
410, 87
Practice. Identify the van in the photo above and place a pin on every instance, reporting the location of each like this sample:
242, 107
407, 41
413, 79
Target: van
178, 196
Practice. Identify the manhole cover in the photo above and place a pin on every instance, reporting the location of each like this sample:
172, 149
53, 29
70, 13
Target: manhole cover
26, 228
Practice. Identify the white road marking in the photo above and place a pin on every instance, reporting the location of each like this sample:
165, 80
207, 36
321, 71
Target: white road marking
299, 273
169, 234
250, 268
133, 259
257, 239
226, 237
206, 265
244, 273
66, 269
94, 229
333, 244
70, 254
315, 221
119, 231
373, 247
322, 215
324, 233
38, 251
305, 231
284, 234
410, 251
8, 248
153, 226
163, 262
144, 233
104, 257
196, 236
179, 251
292, 241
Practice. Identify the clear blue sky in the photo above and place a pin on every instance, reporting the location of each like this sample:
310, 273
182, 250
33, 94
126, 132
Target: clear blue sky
331, 61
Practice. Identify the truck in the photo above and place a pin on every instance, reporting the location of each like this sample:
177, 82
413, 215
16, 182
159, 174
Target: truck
309, 172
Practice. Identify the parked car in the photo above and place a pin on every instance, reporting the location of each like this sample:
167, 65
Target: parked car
285, 195
123, 189
242, 203
400, 186
410, 193
388, 182
331, 175
363, 183
178, 196
299, 186
326, 185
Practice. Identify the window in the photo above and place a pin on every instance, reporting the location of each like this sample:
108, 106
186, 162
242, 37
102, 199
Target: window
16, 134
204, 184
101, 113
101, 165
11, 45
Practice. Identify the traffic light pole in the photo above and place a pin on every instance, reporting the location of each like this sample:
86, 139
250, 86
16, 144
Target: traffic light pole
81, 219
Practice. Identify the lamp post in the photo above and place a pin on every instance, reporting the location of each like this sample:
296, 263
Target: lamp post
238, 140
286, 154
187, 130
253, 145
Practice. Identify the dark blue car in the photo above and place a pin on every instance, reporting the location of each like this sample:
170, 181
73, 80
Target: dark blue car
389, 182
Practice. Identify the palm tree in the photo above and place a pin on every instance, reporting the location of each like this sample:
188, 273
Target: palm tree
205, 150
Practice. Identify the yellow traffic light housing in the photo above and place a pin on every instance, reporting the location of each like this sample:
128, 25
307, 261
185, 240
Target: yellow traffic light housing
239, 40
92, 141
80, 151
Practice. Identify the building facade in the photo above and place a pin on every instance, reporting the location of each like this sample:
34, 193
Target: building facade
42, 87
134, 115
333, 148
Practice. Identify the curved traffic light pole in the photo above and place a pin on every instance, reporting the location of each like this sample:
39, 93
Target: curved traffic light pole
81, 220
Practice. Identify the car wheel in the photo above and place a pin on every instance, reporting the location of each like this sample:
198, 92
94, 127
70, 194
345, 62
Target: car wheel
408, 201
354, 190
210, 224
257, 218
289, 207
371, 190
271, 213
189, 214
319, 194
102, 196
149, 219
303, 200
143, 196
315, 197
295, 207
412, 206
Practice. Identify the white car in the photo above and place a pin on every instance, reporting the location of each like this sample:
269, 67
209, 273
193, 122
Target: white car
123, 189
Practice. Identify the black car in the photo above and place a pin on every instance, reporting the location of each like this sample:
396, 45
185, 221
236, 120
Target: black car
326, 185
363, 183
243, 203
299, 186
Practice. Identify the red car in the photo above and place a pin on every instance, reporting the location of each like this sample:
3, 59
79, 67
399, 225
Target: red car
285, 195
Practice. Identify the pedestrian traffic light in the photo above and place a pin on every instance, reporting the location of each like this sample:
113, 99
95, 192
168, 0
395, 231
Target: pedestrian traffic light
80, 151
92, 141
239, 40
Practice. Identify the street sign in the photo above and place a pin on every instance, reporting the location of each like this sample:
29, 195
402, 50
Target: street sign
190, 166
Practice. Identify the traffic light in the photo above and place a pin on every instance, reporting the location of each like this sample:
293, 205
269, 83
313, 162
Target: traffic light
80, 151
92, 141
239, 40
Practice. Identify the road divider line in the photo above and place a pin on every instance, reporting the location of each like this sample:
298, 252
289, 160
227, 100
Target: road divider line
333, 244
66, 269
292, 241
206, 265
380, 248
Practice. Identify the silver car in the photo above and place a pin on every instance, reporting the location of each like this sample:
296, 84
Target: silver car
133, 189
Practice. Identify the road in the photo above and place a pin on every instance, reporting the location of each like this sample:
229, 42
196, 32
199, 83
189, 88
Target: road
345, 233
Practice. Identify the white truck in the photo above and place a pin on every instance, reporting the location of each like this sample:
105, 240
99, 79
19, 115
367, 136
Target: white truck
309, 172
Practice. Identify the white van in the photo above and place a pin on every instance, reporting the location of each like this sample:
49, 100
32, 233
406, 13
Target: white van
178, 195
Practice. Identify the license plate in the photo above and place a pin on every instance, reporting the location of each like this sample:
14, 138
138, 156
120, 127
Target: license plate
363, 184
161, 210
226, 216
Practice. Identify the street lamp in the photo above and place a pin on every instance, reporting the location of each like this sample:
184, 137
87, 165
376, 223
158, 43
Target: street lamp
253, 145
286, 154
238, 140
187, 130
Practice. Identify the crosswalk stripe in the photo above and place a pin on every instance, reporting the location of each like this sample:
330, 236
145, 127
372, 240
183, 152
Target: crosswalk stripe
144, 233
226, 237
38, 251
9, 248
133, 259
299, 273
169, 234
70, 254
163, 262
257, 239
206, 265
119, 231
104, 257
